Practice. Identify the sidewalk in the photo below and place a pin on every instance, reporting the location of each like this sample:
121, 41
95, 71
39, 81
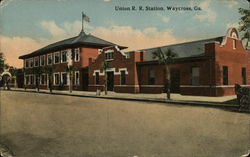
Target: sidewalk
161, 98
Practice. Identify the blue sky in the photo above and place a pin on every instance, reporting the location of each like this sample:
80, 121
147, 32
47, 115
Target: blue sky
26, 25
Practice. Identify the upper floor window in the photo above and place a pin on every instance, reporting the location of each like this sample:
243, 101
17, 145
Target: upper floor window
196, 76
27, 63
243, 74
225, 75
57, 57
123, 77
31, 62
36, 61
49, 59
151, 77
77, 54
64, 56
234, 43
42, 60
109, 55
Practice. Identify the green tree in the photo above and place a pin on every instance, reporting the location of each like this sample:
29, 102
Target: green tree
105, 67
49, 71
1, 62
245, 24
165, 58
69, 70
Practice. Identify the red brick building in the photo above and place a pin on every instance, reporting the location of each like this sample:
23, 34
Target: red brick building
207, 67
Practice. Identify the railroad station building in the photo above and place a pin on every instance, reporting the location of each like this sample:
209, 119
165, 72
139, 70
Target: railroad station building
209, 67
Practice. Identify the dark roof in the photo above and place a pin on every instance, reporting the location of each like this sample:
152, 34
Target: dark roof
183, 50
82, 39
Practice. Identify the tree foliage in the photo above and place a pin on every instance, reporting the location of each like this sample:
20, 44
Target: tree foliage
245, 24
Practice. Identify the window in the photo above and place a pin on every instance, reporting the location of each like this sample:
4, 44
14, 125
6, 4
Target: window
225, 75
77, 55
31, 80
36, 61
151, 77
123, 77
97, 78
27, 79
109, 55
49, 59
56, 79
77, 78
243, 74
42, 60
43, 79
64, 56
31, 62
64, 79
195, 76
57, 57
234, 43
27, 63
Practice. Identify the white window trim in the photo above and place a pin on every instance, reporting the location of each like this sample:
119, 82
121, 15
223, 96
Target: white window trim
67, 83
30, 76
54, 59
31, 60
48, 59
54, 80
61, 54
121, 76
78, 78
95, 77
45, 81
35, 60
78, 52
41, 59
234, 44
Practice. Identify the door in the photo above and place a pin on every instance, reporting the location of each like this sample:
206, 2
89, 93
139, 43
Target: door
110, 81
175, 81
85, 79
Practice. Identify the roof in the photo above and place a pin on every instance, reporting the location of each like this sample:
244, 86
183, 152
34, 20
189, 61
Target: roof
82, 39
183, 50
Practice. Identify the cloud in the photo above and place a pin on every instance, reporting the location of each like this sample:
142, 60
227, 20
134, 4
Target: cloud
107, 0
13, 47
135, 39
164, 18
208, 15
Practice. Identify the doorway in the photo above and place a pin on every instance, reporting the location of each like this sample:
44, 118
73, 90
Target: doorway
110, 77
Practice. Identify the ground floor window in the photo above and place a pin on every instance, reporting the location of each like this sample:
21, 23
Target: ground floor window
243, 74
31, 80
195, 76
77, 78
97, 78
225, 75
151, 77
56, 79
27, 79
43, 79
64, 79
123, 77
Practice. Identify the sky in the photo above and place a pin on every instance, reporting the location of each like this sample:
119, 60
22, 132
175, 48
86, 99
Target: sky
27, 25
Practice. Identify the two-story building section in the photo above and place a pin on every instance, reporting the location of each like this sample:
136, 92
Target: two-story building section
73, 52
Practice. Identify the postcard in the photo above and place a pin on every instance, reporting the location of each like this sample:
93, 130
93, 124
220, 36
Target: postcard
124, 78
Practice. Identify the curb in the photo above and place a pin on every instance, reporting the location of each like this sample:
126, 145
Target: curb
190, 103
